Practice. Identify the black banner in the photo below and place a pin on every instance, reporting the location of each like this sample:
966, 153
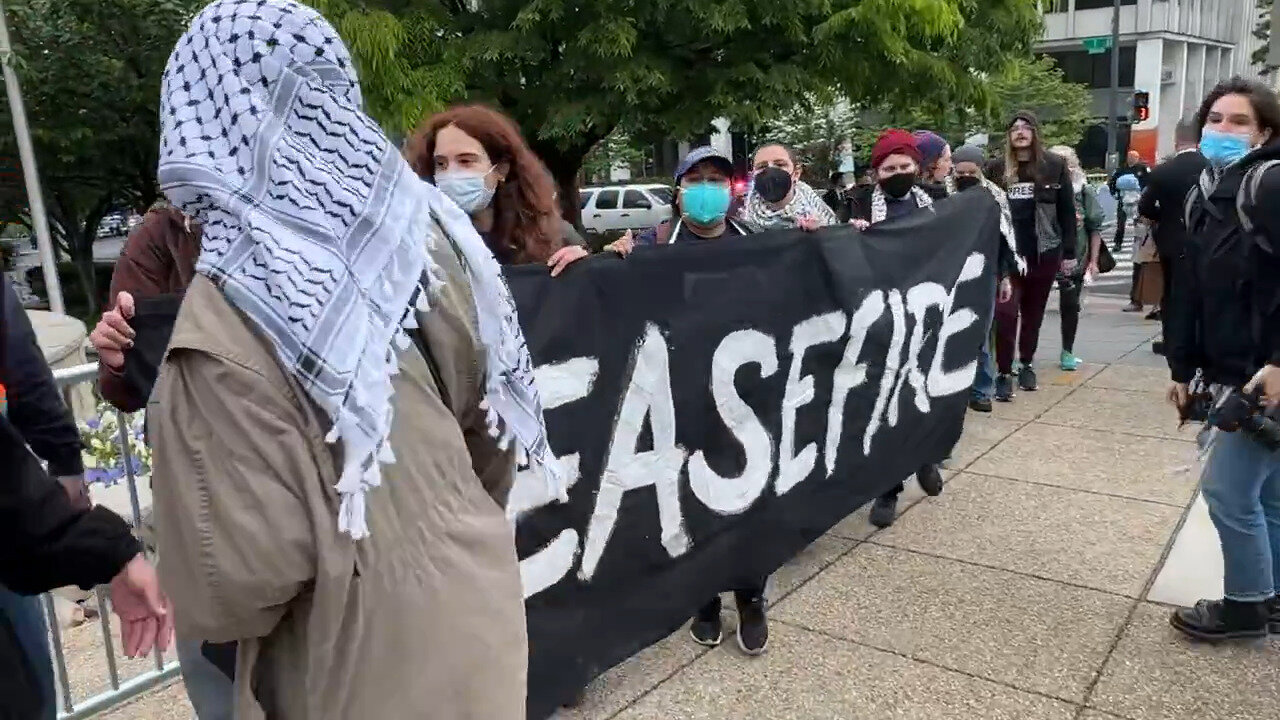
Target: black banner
720, 405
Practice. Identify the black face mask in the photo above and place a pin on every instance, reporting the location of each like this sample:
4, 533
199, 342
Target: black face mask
772, 184
965, 182
896, 186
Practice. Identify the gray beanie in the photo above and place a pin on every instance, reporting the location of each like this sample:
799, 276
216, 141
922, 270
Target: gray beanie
969, 153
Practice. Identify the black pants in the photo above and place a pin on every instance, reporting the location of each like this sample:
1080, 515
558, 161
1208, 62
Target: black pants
1069, 289
891, 495
1121, 221
743, 596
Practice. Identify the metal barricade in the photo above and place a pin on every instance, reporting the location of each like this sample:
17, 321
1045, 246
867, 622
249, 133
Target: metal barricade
120, 689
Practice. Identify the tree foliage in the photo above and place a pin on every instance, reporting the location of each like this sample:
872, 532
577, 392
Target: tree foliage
1262, 31
572, 71
90, 77
818, 129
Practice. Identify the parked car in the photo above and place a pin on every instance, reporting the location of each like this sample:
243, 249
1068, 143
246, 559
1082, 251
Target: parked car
613, 208
112, 225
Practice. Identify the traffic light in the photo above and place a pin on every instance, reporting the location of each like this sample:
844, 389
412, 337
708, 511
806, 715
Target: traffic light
1141, 105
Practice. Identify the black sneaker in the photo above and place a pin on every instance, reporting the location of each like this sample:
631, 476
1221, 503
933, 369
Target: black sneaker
981, 405
1157, 347
1273, 611
1153, 315
884, 512
1004, 388
1213, 620
1027, 378
706, 627
930, 480
753, 627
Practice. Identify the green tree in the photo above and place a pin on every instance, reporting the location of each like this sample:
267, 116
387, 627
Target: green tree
1262, 31
571, 71
617, 149
90, 76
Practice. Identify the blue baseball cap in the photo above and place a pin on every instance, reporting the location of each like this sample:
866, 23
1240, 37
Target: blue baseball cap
697, 155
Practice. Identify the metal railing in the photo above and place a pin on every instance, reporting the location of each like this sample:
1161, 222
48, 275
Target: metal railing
120, 689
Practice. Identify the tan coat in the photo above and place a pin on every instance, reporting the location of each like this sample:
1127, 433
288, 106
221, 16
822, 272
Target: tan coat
424, 618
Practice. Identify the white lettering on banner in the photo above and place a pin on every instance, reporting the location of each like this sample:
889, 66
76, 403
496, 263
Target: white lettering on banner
792, 466
735, 494
648, 393
850, 373
941, 382
892, 361
919, 299
558, 384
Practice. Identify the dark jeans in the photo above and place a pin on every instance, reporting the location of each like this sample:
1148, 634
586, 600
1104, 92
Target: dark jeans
892, 493
1069, 289
27, 618
1018, 321
743, 596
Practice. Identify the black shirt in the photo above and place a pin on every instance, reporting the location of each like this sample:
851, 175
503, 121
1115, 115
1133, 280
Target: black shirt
1022, 208
685, 234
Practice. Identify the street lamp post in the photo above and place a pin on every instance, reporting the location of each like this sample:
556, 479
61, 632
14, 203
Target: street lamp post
27, 156
1113, 99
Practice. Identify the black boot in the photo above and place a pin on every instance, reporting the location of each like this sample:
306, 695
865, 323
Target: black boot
930, 480
1213, 620
753, 626
884, 511
706, 627
1273, 611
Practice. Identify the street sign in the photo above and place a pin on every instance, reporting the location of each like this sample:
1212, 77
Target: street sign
1097, 45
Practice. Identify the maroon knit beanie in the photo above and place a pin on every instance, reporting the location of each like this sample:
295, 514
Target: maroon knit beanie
894, 142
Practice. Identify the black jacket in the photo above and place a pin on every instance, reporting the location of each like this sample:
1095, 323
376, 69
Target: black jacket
1055, 207
35, 405
1164, 200
1227, 322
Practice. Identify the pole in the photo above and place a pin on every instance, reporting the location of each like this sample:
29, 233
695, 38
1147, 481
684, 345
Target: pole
27, 156
1114, 100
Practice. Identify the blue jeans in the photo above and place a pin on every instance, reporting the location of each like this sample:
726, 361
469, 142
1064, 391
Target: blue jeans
1241, 485
27, 617
984, 377
208, 688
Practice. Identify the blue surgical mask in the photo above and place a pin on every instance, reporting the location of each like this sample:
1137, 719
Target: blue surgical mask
466, 188
705, 203
1223, 148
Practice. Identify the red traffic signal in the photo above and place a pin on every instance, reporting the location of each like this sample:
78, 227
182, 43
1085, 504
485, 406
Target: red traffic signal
1141, 105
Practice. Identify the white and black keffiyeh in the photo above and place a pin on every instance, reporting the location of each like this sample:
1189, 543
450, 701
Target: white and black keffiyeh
316, 228
804, 202
1006, 223
880, 205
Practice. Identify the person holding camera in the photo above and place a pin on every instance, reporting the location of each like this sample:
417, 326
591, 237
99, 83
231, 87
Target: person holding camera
1227, 328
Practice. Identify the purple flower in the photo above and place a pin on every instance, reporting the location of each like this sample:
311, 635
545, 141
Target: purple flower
114, 475
95, 475
93, 423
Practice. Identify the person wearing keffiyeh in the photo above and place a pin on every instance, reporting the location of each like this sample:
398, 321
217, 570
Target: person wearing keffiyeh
345, 393
779, 198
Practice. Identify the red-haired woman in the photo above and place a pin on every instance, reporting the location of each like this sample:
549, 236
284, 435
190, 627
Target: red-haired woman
478, 158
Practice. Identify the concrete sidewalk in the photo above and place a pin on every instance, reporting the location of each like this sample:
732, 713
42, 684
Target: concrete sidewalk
1030, 589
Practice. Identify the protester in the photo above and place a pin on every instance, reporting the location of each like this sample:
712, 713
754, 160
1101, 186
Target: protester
1088, 245
968, 161
1227, 326
841, 186
895, 159
778, 197
37, 412
1163, 204
1128, 191
340, 383
52, 537
701, 206
1135, 168
478, 159
158, 259
1044, 220
935, 158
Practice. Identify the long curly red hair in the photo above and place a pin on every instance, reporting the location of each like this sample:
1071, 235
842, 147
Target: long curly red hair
526, 219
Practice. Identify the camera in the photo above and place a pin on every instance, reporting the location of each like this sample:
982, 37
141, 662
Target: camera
1232, 411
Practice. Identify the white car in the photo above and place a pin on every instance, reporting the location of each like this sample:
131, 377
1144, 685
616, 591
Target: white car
613, 208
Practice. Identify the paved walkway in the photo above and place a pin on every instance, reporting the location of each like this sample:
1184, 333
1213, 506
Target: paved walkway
1030, 589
